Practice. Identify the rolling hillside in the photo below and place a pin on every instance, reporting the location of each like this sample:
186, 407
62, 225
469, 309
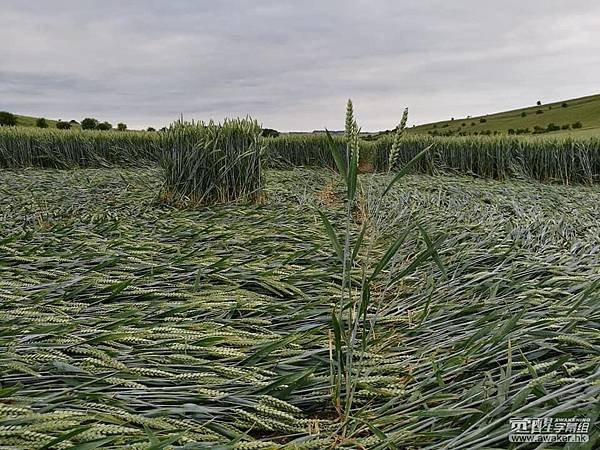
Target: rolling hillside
585, 110
567, 112
28, 121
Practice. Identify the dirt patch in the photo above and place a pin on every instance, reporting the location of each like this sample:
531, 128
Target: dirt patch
365, 167
329, 197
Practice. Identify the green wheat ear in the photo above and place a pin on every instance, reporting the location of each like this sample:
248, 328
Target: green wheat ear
352, 132
395, 150
350, 122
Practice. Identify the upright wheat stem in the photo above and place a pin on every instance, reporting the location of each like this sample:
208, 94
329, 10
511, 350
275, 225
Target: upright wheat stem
350, 316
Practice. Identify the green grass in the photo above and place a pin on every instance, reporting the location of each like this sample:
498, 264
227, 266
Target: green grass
585, 110
124, 322
29, 121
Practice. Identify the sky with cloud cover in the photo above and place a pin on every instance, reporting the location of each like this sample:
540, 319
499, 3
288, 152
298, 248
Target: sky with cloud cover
292, 64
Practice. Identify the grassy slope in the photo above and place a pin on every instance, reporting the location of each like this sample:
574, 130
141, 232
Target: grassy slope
28, 121
583, 109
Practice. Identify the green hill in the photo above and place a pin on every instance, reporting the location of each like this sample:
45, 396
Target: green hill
567, 112
585, 110
28, 121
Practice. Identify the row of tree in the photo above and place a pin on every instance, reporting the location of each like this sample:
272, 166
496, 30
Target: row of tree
89, 123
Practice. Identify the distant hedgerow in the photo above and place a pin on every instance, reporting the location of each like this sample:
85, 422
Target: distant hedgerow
552, 127
63, 125
41, 123
577, 125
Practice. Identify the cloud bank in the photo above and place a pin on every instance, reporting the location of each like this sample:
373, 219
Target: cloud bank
293, 64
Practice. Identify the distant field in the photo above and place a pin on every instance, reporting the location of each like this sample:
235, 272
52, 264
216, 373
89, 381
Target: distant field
585, 110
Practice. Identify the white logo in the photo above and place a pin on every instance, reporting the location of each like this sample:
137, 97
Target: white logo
549, 429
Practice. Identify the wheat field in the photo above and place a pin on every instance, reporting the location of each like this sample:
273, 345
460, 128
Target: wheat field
128, 323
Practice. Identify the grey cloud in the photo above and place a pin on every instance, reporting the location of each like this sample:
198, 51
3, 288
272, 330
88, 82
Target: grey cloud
292, 64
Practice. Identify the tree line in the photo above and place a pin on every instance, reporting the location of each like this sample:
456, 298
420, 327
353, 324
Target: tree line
89, 123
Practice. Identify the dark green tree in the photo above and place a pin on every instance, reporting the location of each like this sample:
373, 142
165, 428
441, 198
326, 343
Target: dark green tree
552, 127
7, 119
89, 123
104, 126
269, 132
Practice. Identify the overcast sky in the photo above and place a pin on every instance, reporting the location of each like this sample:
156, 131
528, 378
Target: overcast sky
292, 64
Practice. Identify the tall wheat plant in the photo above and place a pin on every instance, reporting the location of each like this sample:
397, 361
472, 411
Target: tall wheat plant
208, 163
353, 319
